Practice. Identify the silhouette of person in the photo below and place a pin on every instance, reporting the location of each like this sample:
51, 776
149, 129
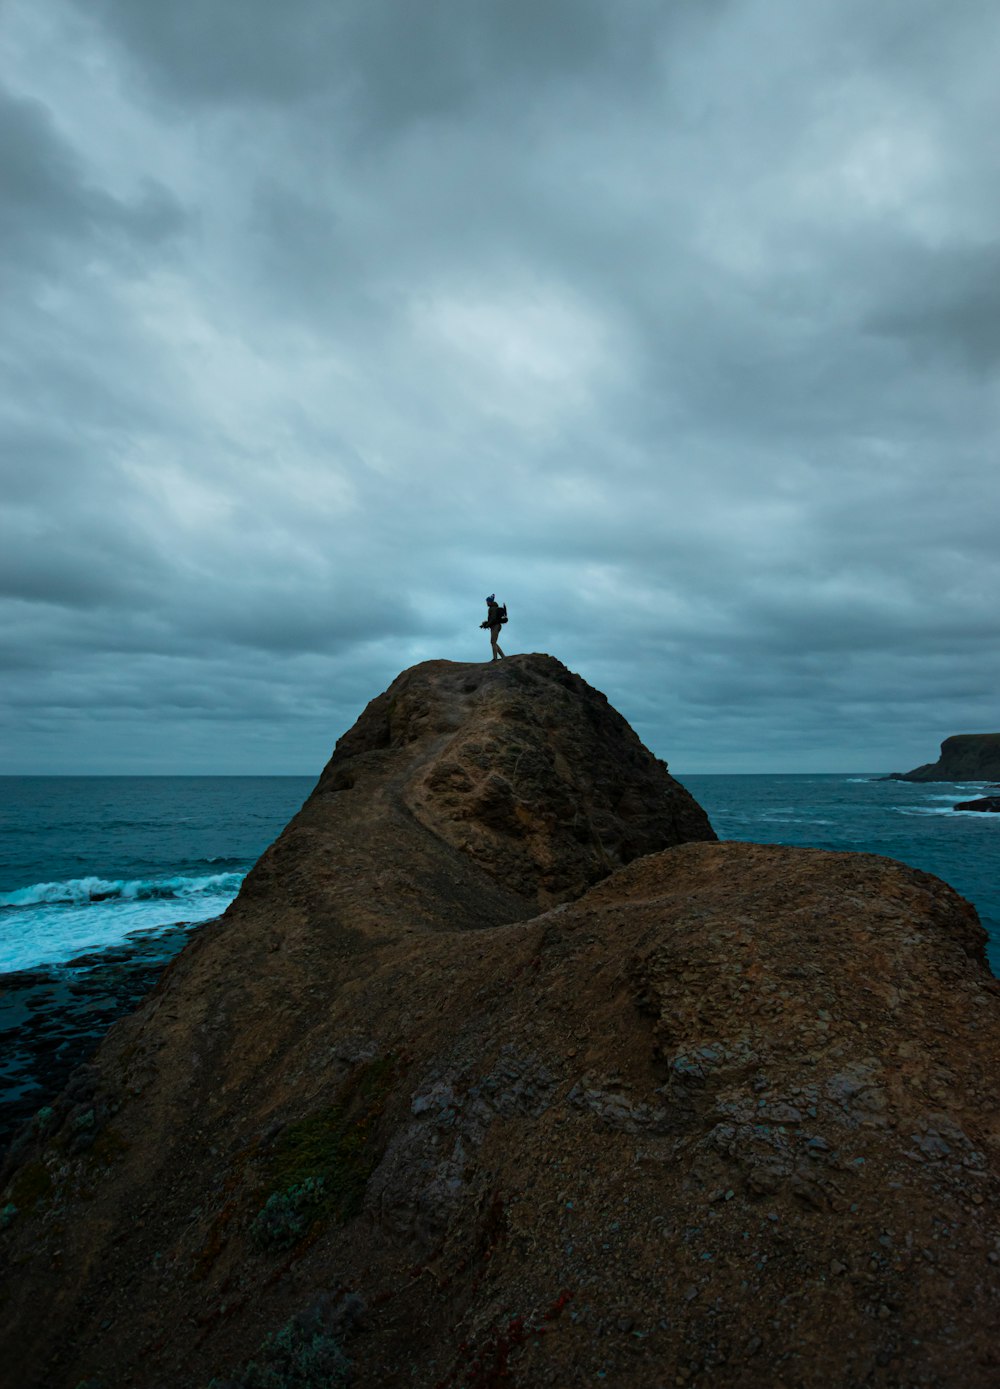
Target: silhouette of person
495, 617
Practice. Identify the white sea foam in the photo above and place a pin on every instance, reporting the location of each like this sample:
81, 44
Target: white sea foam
50, 923
958, 793
80, 891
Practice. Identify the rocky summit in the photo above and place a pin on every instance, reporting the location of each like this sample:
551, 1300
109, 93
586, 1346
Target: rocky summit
501, 1071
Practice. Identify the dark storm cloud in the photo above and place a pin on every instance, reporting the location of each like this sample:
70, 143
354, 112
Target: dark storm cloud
674, 324
48, 202
957, 312
396, 64
43, 191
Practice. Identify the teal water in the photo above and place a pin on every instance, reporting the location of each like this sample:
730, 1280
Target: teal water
87, 861
911, 822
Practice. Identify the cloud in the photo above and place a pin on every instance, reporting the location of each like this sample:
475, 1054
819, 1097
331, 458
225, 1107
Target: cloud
396, 66
50, 206
675, 326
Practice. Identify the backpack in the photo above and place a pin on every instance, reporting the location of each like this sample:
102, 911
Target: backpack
503, 613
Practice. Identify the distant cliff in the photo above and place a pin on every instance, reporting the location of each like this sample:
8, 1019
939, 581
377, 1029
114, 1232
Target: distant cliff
501, 1071
964, 757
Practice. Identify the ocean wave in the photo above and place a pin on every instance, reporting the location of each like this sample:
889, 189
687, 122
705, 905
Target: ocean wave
775, 818
81, 891
960, 789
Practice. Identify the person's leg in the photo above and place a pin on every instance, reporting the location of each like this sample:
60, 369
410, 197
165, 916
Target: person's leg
497, 653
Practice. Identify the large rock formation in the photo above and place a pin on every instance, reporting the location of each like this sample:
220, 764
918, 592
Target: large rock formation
450, 1098
964, 757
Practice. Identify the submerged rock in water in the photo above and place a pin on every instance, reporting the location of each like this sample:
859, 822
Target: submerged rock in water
455, 1095
52, 1017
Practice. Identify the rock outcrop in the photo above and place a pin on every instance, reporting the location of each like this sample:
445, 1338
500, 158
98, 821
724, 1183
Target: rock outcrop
501, 1071
964, 757
989, 804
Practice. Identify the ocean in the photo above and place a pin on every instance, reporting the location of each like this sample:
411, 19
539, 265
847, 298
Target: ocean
88, 863
91, 862
102, 879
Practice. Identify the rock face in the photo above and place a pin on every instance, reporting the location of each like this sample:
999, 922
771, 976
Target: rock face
444, 1101
523, 769
965, 757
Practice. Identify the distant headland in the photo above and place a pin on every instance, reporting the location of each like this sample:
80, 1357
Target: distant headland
964, 757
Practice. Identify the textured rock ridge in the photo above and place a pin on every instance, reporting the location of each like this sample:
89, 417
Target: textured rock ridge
525, 769
726, 1117
964, 757
469, 795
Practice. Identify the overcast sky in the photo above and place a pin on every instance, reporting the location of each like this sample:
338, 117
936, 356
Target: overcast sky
676, 324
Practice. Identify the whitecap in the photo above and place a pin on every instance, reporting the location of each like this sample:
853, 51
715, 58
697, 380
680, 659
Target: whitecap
50, 932
80, 891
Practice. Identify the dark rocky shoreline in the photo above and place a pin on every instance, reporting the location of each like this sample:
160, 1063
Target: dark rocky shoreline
53, 1017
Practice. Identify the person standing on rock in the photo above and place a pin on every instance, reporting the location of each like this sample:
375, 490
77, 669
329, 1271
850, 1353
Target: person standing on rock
496, 615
